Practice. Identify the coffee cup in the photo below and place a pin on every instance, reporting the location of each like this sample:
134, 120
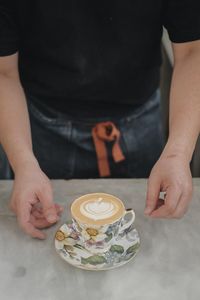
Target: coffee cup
100, 218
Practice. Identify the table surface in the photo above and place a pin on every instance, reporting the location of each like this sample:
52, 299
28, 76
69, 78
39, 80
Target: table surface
167, 266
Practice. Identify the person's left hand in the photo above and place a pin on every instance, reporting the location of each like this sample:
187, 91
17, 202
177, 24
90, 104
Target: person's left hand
171, 174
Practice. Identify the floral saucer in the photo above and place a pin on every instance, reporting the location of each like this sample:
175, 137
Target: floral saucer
69, 246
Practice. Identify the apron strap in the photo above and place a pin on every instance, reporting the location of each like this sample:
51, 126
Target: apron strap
102, 133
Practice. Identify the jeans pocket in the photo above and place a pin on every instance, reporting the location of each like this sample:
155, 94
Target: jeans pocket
51, 122
43, 117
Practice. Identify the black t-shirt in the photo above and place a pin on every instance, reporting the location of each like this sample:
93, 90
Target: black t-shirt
93, 53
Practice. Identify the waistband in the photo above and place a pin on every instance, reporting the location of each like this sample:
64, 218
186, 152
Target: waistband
46, 114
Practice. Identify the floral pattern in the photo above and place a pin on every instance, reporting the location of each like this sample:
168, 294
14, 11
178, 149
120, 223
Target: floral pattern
69, 245
96, 239
66, 236
93, 235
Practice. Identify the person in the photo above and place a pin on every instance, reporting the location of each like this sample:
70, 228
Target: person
83, 77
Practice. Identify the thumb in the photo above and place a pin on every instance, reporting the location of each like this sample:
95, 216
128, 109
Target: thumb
49, 209
153, 192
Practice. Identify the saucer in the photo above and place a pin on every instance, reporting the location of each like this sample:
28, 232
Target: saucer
69, 246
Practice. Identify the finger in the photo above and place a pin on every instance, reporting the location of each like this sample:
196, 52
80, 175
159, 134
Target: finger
40, 215
49, 210
32, 231
182, 206
37, 214
153, 192
12, 206
173, 195
37, 210
159, 203
59, 208
37, 207
23, 217
40, 223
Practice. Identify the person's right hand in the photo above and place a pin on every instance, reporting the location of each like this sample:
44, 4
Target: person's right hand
32, 200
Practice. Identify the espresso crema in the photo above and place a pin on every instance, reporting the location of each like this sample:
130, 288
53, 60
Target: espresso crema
97, 208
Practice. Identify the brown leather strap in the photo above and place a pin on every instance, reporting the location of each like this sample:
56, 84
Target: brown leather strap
106, 132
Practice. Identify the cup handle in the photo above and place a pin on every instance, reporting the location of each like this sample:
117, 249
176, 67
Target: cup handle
128, 223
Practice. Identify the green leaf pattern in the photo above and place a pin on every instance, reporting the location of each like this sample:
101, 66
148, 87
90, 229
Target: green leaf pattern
132, 249
117, 248
93, 260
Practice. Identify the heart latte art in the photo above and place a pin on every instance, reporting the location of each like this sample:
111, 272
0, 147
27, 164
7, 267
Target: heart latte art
98, 209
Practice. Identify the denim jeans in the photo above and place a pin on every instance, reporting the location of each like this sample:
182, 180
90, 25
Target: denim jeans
65, 149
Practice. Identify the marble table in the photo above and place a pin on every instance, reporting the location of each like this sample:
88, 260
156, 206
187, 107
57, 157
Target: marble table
167, 266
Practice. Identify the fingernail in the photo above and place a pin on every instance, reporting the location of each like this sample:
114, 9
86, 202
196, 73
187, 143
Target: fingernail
51, 218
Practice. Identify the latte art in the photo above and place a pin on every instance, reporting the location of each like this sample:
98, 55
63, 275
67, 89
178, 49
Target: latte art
98, 210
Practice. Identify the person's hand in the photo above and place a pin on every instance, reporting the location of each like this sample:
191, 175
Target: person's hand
171, 174
32, 200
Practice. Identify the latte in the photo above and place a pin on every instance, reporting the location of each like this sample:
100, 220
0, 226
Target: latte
97, 209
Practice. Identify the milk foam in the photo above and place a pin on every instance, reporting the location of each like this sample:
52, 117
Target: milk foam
98, 209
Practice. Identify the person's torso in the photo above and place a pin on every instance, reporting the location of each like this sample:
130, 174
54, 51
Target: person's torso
88, 50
